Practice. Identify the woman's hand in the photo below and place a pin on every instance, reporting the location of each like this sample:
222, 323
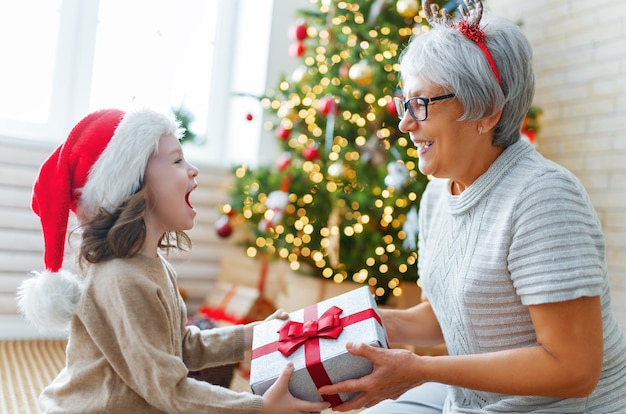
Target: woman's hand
278, 399
395, 371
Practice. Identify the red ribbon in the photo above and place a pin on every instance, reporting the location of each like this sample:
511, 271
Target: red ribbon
329, 326
292, 335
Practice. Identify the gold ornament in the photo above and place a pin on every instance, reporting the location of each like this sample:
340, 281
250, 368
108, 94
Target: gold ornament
361, 73
407, 8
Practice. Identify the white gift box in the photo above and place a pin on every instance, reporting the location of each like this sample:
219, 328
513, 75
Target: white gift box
314, 339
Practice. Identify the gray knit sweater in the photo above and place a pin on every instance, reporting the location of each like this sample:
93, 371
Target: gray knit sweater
524, 233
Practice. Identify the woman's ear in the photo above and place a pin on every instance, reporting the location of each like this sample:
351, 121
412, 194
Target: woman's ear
488, 122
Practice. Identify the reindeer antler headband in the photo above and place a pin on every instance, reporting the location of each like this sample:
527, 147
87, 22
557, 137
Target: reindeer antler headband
469, 25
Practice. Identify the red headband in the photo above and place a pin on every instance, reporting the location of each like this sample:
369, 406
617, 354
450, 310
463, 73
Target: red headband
476, 35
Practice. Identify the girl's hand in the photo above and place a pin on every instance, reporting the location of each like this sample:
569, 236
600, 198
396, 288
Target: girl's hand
278, 399
248, 329
278, 314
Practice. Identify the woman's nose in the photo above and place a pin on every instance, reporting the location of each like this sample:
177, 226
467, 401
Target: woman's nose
407, 124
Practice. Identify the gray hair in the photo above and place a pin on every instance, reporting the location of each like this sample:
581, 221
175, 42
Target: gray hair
444, 56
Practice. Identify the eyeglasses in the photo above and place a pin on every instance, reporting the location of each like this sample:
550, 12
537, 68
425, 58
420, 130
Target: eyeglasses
417, 107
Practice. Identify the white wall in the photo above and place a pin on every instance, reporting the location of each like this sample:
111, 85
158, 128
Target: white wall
580, 62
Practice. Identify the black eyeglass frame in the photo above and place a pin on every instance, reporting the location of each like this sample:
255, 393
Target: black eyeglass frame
402, 104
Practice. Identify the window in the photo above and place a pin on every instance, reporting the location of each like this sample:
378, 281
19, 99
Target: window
69, 57
156, 53
29, 31
65, 58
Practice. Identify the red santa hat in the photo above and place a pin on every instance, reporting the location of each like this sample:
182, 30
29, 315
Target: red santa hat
101, 163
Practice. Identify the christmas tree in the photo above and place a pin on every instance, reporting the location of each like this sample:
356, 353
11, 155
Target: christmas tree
341, 201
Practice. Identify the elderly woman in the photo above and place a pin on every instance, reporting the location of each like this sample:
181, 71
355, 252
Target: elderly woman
511, 253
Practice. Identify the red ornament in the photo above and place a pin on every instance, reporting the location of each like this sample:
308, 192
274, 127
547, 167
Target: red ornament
344, 70
223, 227
298, 31
391, 108
283, 133
296, 49
530, 134
249, 117
310, 153
326, 105
283, 161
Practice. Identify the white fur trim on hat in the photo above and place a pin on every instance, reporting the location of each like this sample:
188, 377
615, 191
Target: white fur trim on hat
48, 299
118, 173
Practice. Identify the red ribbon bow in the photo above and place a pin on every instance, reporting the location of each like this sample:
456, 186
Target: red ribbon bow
292, 335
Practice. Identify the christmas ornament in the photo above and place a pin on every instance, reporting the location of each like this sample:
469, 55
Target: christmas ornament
296, 49
327, 105
283, 161
298, 31
529, 136
361, 73
530, 126
411, 228
391, 108
374, 152
311, 152
407, 8
275, 205
286, 111
344, 70
336, 170
397, 175
283, 133
223, 226
299, 74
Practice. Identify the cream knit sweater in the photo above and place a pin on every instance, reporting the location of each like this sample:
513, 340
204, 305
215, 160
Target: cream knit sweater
524, 233
129, 350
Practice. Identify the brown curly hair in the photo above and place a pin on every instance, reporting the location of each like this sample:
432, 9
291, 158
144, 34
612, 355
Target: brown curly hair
122, 233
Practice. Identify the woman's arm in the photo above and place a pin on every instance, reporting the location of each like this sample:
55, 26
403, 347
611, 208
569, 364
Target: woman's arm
566, 363
415, 326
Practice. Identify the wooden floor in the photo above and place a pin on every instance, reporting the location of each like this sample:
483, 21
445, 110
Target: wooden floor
27, 366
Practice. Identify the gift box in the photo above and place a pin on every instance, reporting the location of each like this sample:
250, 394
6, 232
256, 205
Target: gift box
314, 339
230, 303
260, 273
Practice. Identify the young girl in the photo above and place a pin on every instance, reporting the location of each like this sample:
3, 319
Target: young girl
129, 351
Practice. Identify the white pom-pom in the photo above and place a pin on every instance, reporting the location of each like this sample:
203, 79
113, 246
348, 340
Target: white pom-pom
48, 299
